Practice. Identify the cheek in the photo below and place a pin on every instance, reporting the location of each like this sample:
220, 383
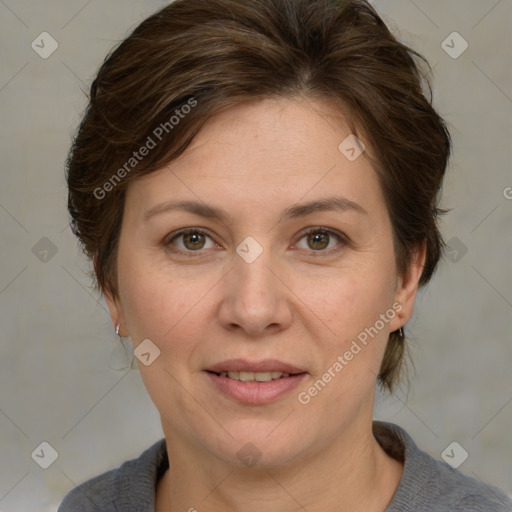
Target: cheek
354, 300
164, 304
152, 300
352, 306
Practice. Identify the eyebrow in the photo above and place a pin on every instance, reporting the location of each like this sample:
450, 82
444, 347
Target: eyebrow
299, 210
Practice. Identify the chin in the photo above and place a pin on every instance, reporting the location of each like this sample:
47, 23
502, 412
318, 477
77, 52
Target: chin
262, 446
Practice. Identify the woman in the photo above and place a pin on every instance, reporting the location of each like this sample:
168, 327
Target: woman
256, 183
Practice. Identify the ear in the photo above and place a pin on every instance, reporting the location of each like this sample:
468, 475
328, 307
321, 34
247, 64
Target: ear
407, 287
116, 312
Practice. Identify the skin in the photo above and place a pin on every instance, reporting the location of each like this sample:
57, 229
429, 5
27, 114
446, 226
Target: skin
254, 161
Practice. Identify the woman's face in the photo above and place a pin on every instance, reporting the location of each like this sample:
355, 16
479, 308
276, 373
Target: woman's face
252, 290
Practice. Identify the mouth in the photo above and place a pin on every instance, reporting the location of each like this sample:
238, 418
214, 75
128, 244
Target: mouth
244, 367
254, 376
255, 383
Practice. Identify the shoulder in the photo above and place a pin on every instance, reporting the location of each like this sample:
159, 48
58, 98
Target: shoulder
129, 487
429, 484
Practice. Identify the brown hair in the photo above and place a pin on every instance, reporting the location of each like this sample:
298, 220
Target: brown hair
212, 54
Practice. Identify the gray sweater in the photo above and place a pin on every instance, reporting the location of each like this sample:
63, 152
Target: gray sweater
427, 485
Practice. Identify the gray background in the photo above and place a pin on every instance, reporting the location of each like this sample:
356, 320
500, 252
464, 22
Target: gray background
56, 338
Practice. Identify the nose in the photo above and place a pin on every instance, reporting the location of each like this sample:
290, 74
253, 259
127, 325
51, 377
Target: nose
255, 297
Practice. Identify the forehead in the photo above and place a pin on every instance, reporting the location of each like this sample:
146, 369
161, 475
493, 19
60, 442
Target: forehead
272, 134
263, 154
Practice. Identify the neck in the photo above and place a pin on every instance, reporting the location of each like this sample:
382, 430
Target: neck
351, 473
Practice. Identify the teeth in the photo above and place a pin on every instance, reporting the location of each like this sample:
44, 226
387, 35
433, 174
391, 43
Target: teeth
254, 376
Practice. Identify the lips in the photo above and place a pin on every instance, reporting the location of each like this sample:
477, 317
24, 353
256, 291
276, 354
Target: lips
265, 366
255, 382
254, 376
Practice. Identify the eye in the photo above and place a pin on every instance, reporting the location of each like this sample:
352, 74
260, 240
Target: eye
319, 238
192, 240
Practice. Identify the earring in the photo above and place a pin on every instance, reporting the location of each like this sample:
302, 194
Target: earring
401, 332
121, 357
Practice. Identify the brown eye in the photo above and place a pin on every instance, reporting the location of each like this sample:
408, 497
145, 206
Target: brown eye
193, 240
188, 241
318, 240
322, 241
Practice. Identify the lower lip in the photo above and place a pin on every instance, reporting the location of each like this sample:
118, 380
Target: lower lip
256, 392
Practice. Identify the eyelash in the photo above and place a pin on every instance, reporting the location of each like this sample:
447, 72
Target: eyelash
313, 254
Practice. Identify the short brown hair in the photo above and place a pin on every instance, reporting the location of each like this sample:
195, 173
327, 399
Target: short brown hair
214, 54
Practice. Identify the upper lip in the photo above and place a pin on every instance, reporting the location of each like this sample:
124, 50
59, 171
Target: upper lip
267, 365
